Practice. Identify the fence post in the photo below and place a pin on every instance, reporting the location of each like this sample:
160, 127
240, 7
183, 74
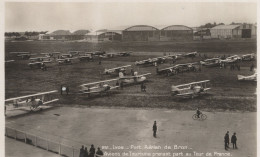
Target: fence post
59, 149
35, 141
25, 138
72, 152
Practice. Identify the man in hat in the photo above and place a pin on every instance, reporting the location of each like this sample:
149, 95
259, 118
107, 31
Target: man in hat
226, 140
92, 151
99, 152
234, 140
154, 129
81, 153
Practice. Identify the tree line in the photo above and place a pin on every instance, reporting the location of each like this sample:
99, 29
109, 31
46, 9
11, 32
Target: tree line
17, 34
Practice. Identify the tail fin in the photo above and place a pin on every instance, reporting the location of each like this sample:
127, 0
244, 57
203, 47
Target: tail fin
121, 75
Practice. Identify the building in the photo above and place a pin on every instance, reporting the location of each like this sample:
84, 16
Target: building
176, 32
141, 33
104, 35
79, 34
56, 35
234, 31
201, 33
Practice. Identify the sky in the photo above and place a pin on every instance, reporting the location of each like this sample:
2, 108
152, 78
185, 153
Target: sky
50, 16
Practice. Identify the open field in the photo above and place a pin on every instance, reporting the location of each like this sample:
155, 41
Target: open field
75, 126
226, 94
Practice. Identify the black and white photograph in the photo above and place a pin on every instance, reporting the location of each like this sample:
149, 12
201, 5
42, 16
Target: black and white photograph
126, 78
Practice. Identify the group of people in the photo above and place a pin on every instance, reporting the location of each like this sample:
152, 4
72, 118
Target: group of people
91, 153
233, 140
233, 66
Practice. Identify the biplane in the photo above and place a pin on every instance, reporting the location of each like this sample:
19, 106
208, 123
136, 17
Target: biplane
179, 68
116, 70
39, 59
124, 53
191, 54
8, 61
33, 101
151, 61
97, 53
97, 87
231, 59
23, 55
107, 55
247, 78
85, 57
132, 79
248, 57
191, 89
66, 60
50, 54
213, 62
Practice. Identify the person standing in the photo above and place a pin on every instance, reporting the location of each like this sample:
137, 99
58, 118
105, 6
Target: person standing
92, 151
67, 90
81, 153
154, 129
86, 152
234, 140
226, 140
99, 153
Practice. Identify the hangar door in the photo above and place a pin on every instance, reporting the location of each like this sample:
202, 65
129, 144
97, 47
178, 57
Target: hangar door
246, 33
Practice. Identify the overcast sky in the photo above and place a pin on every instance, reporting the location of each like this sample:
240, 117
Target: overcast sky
47, 16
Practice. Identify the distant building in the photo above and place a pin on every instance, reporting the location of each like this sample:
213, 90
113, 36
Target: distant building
64, 35
104, 35
176, 32
141, 33
202, 33
234, 31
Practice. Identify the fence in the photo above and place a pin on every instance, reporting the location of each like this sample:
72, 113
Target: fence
43, 143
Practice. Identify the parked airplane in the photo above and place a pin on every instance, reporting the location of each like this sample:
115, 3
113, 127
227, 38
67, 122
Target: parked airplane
66, 60
8, 61
213, 62
247, 78
23, 55
85, 57
39, 59
116, 70
132, 79
97, 87
248, 57
31, 101
124, 53
231, 59
50, 54
97, 53
40, 65
179, 68
190, 89
191, 54
151, 61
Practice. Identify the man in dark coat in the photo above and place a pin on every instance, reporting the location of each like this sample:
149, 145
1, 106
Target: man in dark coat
226, 140
234, 140
99, 153
154, 129
81, 153
86, 152
92, 151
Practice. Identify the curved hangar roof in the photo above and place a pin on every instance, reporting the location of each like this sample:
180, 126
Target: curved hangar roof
141, 28
177, 27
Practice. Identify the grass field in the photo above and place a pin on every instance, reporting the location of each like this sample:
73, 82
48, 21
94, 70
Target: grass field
226, 94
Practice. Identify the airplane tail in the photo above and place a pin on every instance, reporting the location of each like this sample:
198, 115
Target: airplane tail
174, 90
240, 77
121, 74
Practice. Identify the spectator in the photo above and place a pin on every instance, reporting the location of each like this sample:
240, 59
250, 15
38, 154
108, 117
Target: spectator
99, 153
92, 151
154, 129
234, 140
86, 152
81, 153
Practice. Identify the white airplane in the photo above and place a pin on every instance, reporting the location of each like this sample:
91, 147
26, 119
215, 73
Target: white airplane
97, 87
248, 57
85, 57
247, 78
190, 89
124, 53
66, 60
33, 101
23, 55
116, 70
132, 79
191, 54
8, 61
39, 59
51, 54
151, 61
38, 64
179, 68
107, 55
211, 62
231, 59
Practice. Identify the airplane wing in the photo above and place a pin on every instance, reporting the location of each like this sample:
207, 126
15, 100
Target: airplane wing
47, 102
185, 85
9, 61
32, 95
119, 67
129, 77
167, 68
114, 87
98, 82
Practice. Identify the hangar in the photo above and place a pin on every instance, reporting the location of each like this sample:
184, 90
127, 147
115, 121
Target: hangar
141, 33
233, 31
176, 32
104, 35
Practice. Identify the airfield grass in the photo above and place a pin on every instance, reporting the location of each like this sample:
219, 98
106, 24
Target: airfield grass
226, 94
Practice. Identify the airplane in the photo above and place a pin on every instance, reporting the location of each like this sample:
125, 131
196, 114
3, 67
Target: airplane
213, 62
50, 54
66, 60
116, 70
107, 55
39, 65
124, 53
248, 57
23, 55
178, 68
97, 53
132, 79
151, 61
231, 59
191, 54
31, 100
248, 78
8, 61
99, 87
191, 89
39, 59
85, 57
